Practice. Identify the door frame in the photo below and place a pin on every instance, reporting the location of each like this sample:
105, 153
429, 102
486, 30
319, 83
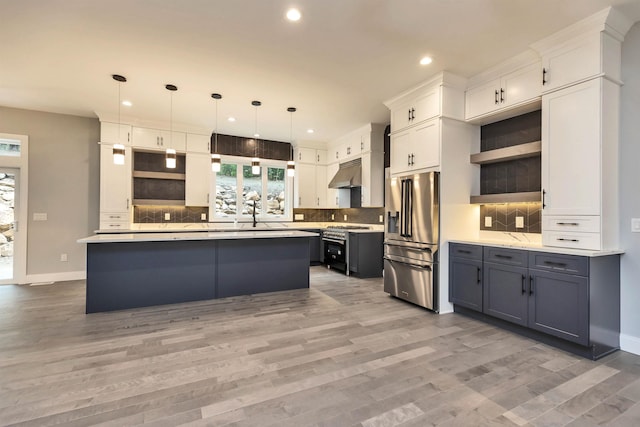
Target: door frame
20, 164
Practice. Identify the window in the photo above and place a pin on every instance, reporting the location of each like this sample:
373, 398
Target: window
9, 147
239, 192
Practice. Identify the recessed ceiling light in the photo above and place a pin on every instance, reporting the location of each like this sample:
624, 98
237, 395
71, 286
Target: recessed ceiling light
310, 131
127, 103
256, 135
293, 14
231, 119
426, 60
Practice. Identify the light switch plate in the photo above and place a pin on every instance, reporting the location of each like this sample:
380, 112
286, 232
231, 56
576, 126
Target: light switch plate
487, 221
39, 216
635, 225
299, 217
167, 216
519, 222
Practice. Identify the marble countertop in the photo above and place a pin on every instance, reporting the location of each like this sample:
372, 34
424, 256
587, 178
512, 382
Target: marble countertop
212, 235
536, 246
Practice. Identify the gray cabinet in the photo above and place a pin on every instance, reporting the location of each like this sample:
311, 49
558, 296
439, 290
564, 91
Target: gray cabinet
465, 272
559, 296
548, 295
315, 248
365, 254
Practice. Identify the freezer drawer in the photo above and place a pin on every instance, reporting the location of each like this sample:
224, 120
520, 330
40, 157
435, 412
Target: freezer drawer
411, 282
414, 253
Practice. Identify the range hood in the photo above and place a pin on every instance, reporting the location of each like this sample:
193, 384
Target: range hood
349, 175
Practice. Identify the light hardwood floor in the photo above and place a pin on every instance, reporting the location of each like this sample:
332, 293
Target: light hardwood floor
342, 353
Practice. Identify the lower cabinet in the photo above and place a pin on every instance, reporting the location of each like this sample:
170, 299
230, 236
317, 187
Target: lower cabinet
365, 252
575, 298
315, 248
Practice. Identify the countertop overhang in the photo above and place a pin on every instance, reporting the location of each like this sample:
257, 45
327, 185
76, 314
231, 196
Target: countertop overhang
182, 236
239, 227
534, 246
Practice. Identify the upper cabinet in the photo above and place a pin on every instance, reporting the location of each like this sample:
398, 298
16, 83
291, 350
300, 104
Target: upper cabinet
310, 156
424, 106
159, 139
513, 89
114, 133
416, 148
198, 143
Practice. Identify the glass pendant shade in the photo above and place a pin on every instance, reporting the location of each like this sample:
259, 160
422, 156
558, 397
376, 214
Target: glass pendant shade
216, 162
291, 168
255, 166
171, 158
118, 154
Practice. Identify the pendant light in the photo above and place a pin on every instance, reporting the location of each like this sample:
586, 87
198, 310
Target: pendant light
118, 149
170, 156
291, 165
216, 161
255, 162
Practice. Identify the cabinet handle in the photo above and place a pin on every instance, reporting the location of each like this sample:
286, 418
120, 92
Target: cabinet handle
348, 150
523, 285
408, 159
337, 201
409, 118
299, 156
501, 95
127, 204
478, 275
544, 193
556, 264
495, 97
413, 114
464, 251
207, 198
318, 203
318, 158
336, 154
299, 200
562, 239
361, 145
412, 158
531, 283
503, 256
544, 76
128, 136
575, 224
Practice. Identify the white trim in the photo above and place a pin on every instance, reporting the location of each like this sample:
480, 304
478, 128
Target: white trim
630, 344
56, 277
21, 165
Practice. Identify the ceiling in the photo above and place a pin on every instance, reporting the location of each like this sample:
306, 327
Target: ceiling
336, 65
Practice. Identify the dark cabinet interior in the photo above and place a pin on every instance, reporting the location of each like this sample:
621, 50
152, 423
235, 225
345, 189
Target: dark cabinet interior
154, 183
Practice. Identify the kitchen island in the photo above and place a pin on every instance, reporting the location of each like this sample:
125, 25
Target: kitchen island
143, 269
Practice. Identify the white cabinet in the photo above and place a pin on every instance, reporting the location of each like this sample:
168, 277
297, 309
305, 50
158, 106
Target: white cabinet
579, 165
333, 194
159, 139
422, 107
310, 156
509, 90
197, 179
115, 190
311, 186
198, 143
114, 133
416, 148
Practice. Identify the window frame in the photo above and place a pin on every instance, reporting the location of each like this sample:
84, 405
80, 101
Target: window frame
262, 216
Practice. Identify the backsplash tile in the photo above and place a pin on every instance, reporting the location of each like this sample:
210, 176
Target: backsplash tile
178, 214
503, 217
354, 215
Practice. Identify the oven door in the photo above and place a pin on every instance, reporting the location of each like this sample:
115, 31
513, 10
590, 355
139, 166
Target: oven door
411, 280
335, 254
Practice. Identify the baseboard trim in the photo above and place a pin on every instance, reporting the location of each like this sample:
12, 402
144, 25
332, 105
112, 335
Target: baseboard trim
630, 344
56, 277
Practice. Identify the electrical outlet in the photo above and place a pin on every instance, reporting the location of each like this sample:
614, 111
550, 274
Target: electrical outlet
299, 217
167, 216
333, 217
203, 216
63, 257
635, 225
519, 222
380, 218
487, 221
345, 217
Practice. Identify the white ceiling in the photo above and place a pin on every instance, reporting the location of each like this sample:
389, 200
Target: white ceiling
336, 65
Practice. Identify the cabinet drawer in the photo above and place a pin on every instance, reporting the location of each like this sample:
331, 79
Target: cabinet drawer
114, 225
572, 240
114, 217
570, 264
460, 250
505, 256
585, 224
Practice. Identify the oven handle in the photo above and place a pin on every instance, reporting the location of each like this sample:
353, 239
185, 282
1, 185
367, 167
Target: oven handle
326, 239
400, 260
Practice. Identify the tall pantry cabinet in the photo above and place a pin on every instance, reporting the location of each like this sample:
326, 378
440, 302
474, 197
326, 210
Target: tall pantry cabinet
580, 120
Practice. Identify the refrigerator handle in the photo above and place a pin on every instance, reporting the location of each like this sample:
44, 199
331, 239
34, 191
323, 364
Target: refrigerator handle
409, 210
402, 210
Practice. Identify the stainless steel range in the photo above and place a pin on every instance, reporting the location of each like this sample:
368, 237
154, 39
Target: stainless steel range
335, 246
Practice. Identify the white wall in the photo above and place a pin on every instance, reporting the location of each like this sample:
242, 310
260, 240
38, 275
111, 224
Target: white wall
63, 183
630, 192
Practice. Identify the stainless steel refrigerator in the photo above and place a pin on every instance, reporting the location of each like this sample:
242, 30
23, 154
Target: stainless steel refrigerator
411, 238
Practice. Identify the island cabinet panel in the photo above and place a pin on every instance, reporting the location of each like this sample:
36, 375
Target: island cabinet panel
142, 274
266, 265
465, 272
505, 292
